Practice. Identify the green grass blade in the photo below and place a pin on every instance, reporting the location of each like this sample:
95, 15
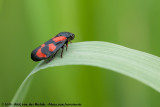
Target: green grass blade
136, 64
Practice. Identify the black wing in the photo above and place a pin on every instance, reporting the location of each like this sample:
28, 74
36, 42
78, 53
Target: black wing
52, 47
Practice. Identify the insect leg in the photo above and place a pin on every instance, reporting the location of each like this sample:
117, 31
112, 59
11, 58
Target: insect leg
62, 51
66, 45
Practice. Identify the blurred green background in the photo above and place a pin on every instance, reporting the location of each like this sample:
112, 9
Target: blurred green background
26, 24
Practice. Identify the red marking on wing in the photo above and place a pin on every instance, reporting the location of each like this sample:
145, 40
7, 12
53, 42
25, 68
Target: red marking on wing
43, 45
60, 38
39, 52
52, 47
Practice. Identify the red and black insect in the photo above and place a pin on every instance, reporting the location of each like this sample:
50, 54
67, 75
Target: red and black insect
50, 48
